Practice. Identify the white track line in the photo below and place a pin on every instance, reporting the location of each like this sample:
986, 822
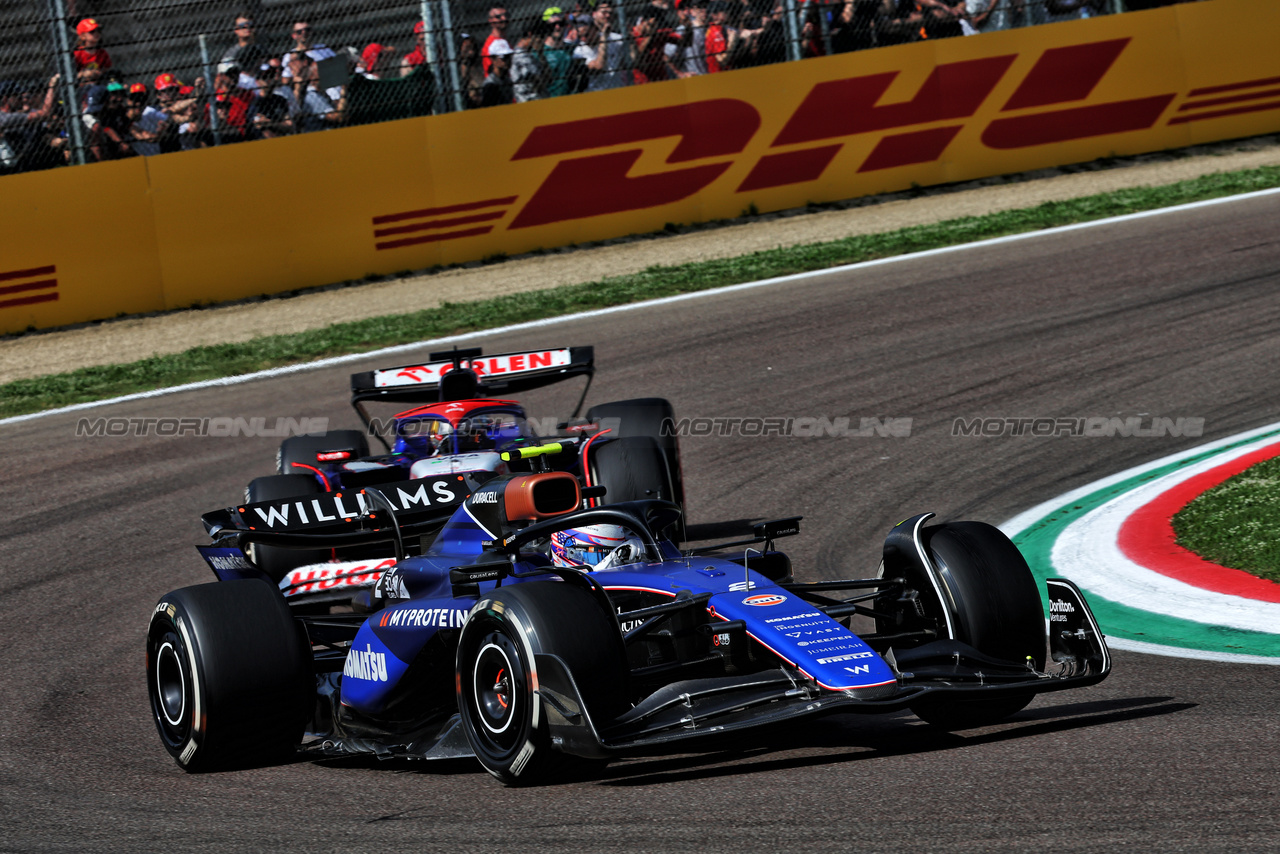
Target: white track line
550, 321
1183, 652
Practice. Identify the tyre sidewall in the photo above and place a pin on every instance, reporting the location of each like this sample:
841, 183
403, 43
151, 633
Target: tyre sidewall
997, 604
996, 607
247, 672
646, 416
634, 468
185, 737
508, 755
629, 468
541, 617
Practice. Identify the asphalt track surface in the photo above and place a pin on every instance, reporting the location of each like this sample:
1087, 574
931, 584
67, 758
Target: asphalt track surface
1175, 315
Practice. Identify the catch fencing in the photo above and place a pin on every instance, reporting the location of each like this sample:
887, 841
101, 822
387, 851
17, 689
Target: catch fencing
205, 67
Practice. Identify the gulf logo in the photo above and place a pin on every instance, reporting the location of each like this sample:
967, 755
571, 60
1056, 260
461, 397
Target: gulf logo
761, 599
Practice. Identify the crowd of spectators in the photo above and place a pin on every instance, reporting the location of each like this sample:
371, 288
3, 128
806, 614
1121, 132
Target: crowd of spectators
254, 93
586, 49
258, 93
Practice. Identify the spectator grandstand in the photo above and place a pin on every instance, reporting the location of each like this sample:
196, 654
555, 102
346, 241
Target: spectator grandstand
124, 78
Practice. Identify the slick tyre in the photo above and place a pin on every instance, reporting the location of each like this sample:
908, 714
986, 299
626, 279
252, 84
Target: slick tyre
229, 675
646, 416
997, 611
632, 469
509, 632
303, 449
273, 560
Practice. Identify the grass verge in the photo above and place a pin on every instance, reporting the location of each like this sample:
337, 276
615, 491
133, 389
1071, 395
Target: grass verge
1235, 523
208, 362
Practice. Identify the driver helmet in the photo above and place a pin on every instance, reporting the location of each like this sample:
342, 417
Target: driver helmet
425, 437
440, 435
595, 546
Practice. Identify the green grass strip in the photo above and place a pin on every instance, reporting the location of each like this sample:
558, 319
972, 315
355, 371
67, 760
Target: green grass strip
1235, 523
209, 362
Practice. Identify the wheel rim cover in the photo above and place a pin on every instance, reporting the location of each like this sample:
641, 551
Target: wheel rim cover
495, 683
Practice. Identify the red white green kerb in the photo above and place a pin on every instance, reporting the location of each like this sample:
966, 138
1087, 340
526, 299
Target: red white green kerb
1114, 539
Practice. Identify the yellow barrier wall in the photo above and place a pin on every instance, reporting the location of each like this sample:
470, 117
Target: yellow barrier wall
77, 244
220, 224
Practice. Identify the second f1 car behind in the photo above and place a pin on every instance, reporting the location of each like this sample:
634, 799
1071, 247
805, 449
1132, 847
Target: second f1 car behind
535, 633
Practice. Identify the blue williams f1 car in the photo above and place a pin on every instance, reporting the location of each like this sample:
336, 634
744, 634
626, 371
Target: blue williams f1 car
536, 632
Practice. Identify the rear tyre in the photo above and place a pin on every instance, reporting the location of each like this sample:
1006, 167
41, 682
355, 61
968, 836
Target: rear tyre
273, 560
646, 416
229, 676
503, 717
303, 449
997, 611
632, 469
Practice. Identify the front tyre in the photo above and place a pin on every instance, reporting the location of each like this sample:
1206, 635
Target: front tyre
997, 611
503, 716
229, 676
505, 720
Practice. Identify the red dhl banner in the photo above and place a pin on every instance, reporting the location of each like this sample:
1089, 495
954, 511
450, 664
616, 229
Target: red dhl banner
412, 194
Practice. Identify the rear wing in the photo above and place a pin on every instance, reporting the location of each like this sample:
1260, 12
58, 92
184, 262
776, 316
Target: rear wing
467, 374
383, 513
502, 374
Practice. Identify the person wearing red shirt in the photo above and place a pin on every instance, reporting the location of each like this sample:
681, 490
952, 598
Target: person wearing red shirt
232, 112
240, 101
652, 40
497, 32
719, 35
91, 57
418, 55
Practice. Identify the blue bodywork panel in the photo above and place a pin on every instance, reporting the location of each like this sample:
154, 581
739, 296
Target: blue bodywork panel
791, 628
229, 564
389, 641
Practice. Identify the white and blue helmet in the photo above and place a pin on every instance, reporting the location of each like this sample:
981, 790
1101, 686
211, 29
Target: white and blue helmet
595, 546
